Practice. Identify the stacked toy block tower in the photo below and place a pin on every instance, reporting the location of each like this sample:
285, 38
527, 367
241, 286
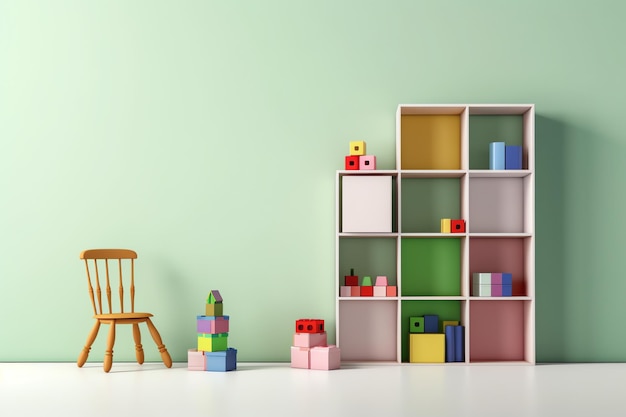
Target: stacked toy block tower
358, 160
213, 353
310, 349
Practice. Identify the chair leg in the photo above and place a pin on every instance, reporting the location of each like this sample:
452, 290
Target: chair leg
138, 347
165, 356
108, 354
82, 357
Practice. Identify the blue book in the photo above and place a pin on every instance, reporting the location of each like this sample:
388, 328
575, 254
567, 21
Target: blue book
431, 323
507, 290
507, 278
450, 345
459, 343
513, 157
496, 155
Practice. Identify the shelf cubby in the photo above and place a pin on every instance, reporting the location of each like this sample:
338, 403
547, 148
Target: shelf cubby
498, 205
430, 267
425, 201
371, 256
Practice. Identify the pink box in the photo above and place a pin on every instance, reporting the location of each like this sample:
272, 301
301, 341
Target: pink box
300, 357
496, 278
195, 360
392, 291
213, 324
309, 340
496, 290
367, 162
325, 358
380, 291
381, 280
345, 291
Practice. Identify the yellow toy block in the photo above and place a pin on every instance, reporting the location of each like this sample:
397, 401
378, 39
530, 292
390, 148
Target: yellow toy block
357, 148
448, 323
445, 225
215, 310
427, 348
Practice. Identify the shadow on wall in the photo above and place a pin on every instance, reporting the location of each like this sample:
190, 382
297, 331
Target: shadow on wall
549, 244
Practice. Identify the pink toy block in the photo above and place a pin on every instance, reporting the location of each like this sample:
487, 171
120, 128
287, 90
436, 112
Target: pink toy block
496, 290
392, 291
380, 291
309, 340
367, 162
381, 280
212, 324
345, 291
300, 357
496, 278
195, 360
325, 358
356, 291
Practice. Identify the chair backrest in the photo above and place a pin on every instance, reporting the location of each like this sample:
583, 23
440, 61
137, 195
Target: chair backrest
114, 264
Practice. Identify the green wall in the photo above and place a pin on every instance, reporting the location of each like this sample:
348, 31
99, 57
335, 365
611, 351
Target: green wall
206, 134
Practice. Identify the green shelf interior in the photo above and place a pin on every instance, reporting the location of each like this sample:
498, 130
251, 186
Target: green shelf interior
484, 129
431, 266
445, 309
425, 201
368, 256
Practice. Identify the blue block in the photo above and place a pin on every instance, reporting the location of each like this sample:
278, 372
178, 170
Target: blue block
507, 278
449, 331
222, 361
507, 290
459, 344
496, 155
431, 323
513, 157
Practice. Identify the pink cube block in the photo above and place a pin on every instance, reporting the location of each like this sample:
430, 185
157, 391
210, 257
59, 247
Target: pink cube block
212, 324
392, 291
367, 162
380, 291
381, 280
355, 291
195, 360
309, 340
496, 290
345, 291
325, 358
496, 278
300, 357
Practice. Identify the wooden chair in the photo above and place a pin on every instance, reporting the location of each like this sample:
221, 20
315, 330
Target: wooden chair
95, 261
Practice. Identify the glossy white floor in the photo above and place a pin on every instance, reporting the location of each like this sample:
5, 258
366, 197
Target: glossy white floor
62, 389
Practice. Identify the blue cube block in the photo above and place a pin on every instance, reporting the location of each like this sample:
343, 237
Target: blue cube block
507, 278
221, 361
431, 323
507, 290
513, 157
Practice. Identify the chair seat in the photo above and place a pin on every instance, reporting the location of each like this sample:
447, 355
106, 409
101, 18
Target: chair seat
116, 316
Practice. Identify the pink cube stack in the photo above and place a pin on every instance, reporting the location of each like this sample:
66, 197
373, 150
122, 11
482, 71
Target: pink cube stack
310, 348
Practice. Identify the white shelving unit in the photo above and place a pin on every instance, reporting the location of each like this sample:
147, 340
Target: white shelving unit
442, 171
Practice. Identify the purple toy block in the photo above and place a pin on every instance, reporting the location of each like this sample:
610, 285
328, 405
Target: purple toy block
367, 162
496, 278
213, 324
496, 290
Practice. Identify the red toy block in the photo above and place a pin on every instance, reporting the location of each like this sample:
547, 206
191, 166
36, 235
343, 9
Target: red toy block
367, 162
356, 291
457, 226
309, 326
367, 291
352, 162
392, 291
351, 280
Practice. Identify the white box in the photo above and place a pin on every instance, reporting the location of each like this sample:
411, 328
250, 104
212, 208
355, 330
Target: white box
366, 204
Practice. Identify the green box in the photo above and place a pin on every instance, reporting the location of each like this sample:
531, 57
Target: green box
416, 324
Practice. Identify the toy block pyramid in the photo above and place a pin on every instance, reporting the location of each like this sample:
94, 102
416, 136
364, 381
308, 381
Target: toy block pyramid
212, 353
310, 348
358, 160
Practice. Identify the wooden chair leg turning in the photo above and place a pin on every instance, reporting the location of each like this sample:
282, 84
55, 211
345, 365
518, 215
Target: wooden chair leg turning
82, 357
108, 354
165, 356
138, 347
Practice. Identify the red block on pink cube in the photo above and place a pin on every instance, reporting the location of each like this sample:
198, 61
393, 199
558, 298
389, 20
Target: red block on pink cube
351, 280
367, 291
355, 291
325, 358
309, 326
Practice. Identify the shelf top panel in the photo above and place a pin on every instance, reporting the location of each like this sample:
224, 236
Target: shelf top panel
474, 109
435, 235
390, 172
499, 173
499, 109
432, 173
430, 109
367, 234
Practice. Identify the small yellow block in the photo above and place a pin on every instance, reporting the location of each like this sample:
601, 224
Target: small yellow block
357, 148
427, 348
445, 225
448, 323
215, 310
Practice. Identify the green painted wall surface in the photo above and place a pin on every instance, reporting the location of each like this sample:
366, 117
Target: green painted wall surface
206, 134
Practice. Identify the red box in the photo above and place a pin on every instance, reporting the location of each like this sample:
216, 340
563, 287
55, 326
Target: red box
352, 162
367, 291
457, 226
355, 291
351, 280
309, 326
392, 291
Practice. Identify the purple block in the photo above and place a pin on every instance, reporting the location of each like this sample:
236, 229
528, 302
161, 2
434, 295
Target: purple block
496, 290
496, 278
507, 278
507, 290
213, 324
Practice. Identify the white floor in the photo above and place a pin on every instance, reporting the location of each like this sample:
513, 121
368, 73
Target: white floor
62, 389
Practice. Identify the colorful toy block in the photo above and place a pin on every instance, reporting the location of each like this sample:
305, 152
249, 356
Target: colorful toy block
367, 281
496, 290
367, 162
431, 323
512, 157
496, 155
351, 279
212, 342
392, 291
481, 290
195, 360
507, 278
416, 324
380, 291
325, 358
381, 280
448, 323
457, 226
482, 278
496, 278
445, 225
309, 326
352, 163
300, 357
427, 348
222, 361
345, 291
212, 324
357, 147
367, 291
507, 290
355, 291
215, 310
309, 340
214, 297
